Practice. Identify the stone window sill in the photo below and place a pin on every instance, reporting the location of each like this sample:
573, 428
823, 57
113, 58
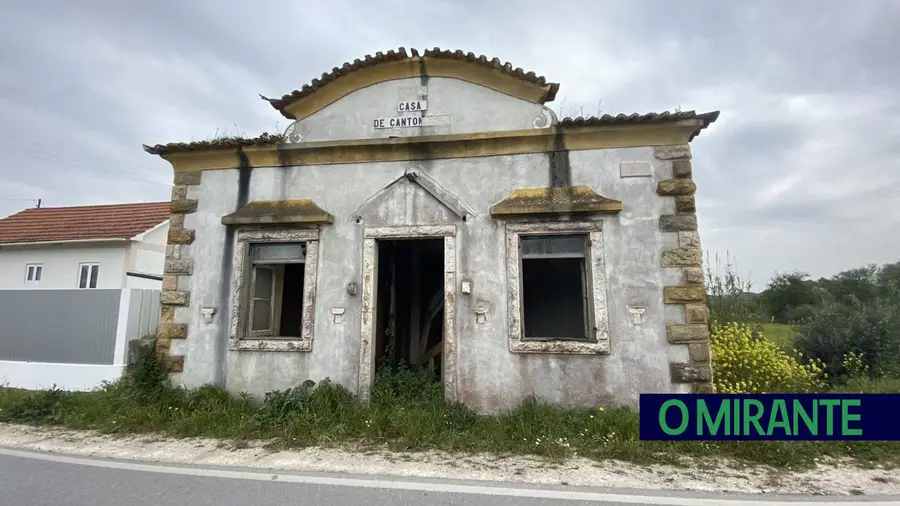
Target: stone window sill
270, 344
560, 347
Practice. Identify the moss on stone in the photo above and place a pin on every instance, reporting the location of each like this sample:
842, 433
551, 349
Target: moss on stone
569, 199
278, 211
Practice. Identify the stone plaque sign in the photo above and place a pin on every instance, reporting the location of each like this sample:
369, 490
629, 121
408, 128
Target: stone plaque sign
434, 120
399, 122
412, 105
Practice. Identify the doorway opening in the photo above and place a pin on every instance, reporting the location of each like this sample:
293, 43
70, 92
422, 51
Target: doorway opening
409, 324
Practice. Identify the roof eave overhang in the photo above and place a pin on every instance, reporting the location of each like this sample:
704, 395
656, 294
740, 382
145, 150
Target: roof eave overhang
68, 241
154, 228
343, 81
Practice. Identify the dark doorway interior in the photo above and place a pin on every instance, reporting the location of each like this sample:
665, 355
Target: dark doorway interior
409, 326
292, 298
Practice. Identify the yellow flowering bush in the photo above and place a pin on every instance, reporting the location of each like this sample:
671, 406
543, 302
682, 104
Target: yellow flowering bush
744, 363
854, 365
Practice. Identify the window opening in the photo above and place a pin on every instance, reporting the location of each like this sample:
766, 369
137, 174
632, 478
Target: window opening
555, 287
87, 275
275, 302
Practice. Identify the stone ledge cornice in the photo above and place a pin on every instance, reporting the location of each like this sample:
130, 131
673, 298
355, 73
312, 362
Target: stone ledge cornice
427, 147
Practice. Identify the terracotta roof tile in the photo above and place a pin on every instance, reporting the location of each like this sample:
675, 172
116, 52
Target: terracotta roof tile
80, 223
641, 119
402, 54
227, 142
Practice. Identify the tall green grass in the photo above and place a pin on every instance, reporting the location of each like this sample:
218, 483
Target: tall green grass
407, 412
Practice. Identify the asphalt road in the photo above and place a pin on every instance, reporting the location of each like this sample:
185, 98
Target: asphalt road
40, 479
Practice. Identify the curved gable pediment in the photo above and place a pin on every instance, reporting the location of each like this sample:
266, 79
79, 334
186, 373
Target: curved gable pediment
394, 65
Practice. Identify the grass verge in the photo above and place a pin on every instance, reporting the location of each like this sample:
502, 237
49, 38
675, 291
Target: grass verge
407, 412
780, 334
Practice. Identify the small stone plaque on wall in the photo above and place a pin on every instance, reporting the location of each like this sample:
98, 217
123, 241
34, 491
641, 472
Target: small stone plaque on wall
635, 169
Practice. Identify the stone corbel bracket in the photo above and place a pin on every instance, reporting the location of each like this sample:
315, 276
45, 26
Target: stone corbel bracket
693, 331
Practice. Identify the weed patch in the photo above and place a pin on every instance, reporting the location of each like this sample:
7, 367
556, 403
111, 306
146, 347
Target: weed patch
327, 415
407, 412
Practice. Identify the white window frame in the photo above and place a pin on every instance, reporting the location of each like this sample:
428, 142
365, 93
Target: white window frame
92, 267
274, 301
34, 273
241, 338
595, 284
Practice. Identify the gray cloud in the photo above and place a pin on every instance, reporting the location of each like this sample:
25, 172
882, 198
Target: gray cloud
798, 173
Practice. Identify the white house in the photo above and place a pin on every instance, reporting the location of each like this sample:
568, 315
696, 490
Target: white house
110, 246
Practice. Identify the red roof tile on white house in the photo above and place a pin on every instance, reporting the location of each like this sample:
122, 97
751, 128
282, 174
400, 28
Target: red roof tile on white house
49, 224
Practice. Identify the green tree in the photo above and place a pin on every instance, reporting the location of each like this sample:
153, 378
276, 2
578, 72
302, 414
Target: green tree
888, 279
869, 330
859, 284
791, 296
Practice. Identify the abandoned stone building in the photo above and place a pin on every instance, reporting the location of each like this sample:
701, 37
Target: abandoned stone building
428, 208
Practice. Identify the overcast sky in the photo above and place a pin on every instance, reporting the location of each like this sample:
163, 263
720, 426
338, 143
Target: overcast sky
800, 172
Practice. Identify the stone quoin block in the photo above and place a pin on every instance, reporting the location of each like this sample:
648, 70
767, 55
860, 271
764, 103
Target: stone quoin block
684, 294
681, 169
690, 373
162, 347
175, 298
679, 333
699, 352
176, 220
173, 251
181, 236
677, 222
179, 192
681, 257
696, 313
704, 388
171, 331
183, 206
179, 266
167, 314
169, 283
187, 178
693, 275
675, 187
673, 152
689, 239
685, 204
174, 363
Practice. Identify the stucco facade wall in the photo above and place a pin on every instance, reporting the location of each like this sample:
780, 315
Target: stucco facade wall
61, 265
454, 106
490, 376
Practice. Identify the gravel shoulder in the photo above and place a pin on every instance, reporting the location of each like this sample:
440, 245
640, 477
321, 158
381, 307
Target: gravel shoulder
827, 478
